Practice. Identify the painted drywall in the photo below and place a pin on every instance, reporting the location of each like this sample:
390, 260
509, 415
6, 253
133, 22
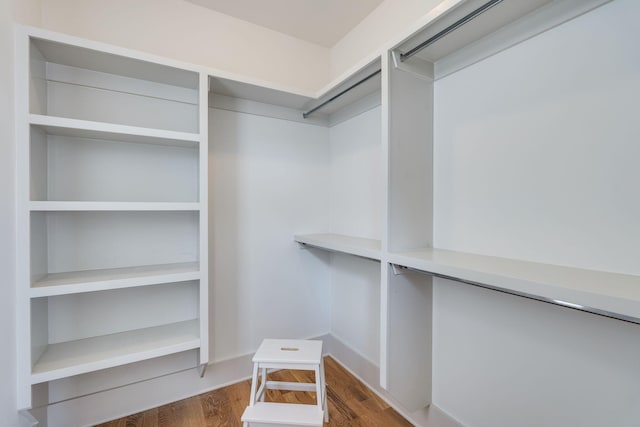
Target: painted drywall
185, 31
356, 210
182, 30
387, 22
24, 12
535, 158
268, 181
356, 176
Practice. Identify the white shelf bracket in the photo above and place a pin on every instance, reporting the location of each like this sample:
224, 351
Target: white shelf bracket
398, 269
417, 67
27, 418
302, 245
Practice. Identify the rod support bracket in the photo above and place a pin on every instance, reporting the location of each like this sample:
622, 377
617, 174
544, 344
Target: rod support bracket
202, 368
398, 269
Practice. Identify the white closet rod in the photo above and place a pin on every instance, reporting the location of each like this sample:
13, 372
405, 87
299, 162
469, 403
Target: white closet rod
398, 269
459, 23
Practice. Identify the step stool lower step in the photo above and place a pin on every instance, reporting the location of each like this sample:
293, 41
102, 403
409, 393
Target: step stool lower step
283, 413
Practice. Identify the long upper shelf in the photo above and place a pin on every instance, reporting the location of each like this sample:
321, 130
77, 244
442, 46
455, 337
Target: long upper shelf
366, 248
609, 294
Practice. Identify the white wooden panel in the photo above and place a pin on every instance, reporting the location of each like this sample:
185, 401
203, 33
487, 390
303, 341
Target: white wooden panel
356, 200
268, 180
355, 304
409, 319
203, 218
121, 310
113, 278
98, 170
410, 160
62, 126
106, 351
87, 103
95, 240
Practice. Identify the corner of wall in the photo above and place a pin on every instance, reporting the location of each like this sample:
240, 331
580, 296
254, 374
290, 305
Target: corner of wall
388, 21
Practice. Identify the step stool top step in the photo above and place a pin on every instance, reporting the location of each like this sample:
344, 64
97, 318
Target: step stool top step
283, 413
289, 351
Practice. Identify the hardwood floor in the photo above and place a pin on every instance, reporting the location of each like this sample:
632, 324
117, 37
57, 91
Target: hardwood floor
350, 404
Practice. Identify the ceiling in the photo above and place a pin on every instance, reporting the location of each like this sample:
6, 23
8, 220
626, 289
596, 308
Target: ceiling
322, 22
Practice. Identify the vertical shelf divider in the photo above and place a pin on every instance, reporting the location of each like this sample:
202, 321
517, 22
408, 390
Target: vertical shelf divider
407, 298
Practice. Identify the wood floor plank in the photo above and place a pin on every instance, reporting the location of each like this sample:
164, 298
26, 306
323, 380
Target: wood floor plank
351, 404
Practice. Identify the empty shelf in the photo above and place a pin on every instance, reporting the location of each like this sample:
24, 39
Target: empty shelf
91, 354
112, 206
609, 294
366, 248
63, 126
113, 278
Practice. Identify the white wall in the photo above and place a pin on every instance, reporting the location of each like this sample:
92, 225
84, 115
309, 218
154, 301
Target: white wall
268, 181
356, 210
182, 30
535, 158
26, 12
388, 21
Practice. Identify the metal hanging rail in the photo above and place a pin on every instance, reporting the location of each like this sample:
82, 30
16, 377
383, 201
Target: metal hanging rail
459, 23
333, 98
398, 269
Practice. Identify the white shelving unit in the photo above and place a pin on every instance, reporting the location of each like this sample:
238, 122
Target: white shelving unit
406, 248
112, 152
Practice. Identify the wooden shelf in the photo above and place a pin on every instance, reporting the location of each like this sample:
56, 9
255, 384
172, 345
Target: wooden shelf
73, 206
366, 248
63, 126
610, 294
91, 354
113, 278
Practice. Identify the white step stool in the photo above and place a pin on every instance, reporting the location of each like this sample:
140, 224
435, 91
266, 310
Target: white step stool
287, 354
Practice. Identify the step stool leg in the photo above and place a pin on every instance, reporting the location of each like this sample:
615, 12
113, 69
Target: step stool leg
254, 385
324, 392
263, 384
318, 387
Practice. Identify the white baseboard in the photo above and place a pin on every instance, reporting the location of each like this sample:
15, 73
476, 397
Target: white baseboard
369, 374
118, 402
